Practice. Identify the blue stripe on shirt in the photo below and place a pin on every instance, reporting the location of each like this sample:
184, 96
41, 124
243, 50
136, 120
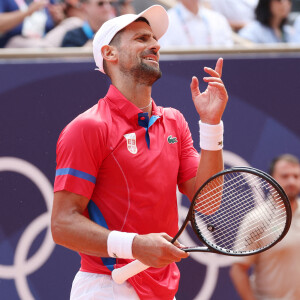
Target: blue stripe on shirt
97, 217
76, 173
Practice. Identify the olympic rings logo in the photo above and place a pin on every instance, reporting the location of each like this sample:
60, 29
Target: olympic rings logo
23, 267
212, 261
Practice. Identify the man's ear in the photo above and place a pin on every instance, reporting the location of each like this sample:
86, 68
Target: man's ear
109, 53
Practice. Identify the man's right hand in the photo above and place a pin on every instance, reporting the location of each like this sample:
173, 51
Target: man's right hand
155, 250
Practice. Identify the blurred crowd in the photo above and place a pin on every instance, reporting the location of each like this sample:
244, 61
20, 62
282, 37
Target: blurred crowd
55, 23
193, 23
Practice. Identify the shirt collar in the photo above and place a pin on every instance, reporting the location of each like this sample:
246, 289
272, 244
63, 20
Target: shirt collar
125, 107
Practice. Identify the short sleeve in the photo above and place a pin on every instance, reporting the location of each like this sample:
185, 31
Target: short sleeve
79, 154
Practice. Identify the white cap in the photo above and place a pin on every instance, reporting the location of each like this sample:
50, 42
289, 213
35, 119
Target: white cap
156, 15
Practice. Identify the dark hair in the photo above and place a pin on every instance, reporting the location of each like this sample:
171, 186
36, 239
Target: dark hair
285, 157
263, 13
117, 38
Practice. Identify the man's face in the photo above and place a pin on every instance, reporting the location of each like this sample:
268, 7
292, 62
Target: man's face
288, 176
138, 55
99, 11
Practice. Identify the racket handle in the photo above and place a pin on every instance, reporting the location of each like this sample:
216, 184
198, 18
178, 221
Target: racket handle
120, 275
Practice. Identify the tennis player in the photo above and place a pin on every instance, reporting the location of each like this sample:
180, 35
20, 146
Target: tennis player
118, 165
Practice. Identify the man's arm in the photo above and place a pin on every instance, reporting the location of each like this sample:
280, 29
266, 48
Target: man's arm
240, 278
71, 229
9, 20
210, 106
211, 162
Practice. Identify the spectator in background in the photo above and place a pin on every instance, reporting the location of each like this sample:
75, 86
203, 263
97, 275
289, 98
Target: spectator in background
191, 24
74, 18
124, 7
270, 25
237, 12
97, 12
32, 20
276, 271
296, 37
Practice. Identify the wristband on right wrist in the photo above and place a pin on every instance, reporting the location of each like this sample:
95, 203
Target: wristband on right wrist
211, 136
119, 244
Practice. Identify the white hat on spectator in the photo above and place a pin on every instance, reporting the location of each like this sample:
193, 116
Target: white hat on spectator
156, 15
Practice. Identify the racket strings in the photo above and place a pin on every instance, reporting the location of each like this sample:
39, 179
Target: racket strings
229, 192
221, 190
257, 196
260, 230
258, 227
247, 207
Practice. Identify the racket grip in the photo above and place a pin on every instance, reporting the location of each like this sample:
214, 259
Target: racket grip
120, 275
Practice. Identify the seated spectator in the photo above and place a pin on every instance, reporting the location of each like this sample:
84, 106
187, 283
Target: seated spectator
237, 12
74, 18
270, 25
191, 24
296, 37
31, 20
97, 12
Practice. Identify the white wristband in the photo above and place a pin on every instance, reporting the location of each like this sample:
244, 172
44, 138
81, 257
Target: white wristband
119, 244
211, 136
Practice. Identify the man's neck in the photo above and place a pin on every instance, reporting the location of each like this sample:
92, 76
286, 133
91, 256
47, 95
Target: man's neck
138, 94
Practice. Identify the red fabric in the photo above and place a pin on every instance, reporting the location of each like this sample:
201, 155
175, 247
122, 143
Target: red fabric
135, 192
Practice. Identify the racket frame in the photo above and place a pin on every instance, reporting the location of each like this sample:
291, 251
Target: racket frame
215, 249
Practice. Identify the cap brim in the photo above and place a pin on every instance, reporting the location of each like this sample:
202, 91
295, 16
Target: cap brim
157, 18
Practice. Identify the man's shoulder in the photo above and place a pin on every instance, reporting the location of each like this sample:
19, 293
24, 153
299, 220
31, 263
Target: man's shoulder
94, 117
174, 116
170, 112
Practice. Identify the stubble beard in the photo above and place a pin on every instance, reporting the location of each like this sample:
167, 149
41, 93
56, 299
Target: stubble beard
143, 73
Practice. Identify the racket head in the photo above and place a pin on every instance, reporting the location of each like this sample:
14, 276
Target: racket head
247, 212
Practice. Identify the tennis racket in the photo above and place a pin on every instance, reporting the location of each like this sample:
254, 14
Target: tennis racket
239, 211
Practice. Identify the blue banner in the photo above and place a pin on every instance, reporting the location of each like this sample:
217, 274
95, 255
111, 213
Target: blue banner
39, 97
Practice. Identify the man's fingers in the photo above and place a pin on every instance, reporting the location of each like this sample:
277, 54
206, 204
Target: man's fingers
175, 248
212, 72
195, 87
166, 236
217, 72
219, 66
212, 79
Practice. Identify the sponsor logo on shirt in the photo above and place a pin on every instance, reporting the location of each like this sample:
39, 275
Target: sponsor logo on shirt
172, 140
131, 142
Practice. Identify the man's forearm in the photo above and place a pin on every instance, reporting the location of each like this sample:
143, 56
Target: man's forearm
10, 20
86, 237
211, 162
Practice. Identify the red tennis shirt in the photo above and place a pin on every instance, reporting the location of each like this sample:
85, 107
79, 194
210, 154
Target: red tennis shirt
128, 166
